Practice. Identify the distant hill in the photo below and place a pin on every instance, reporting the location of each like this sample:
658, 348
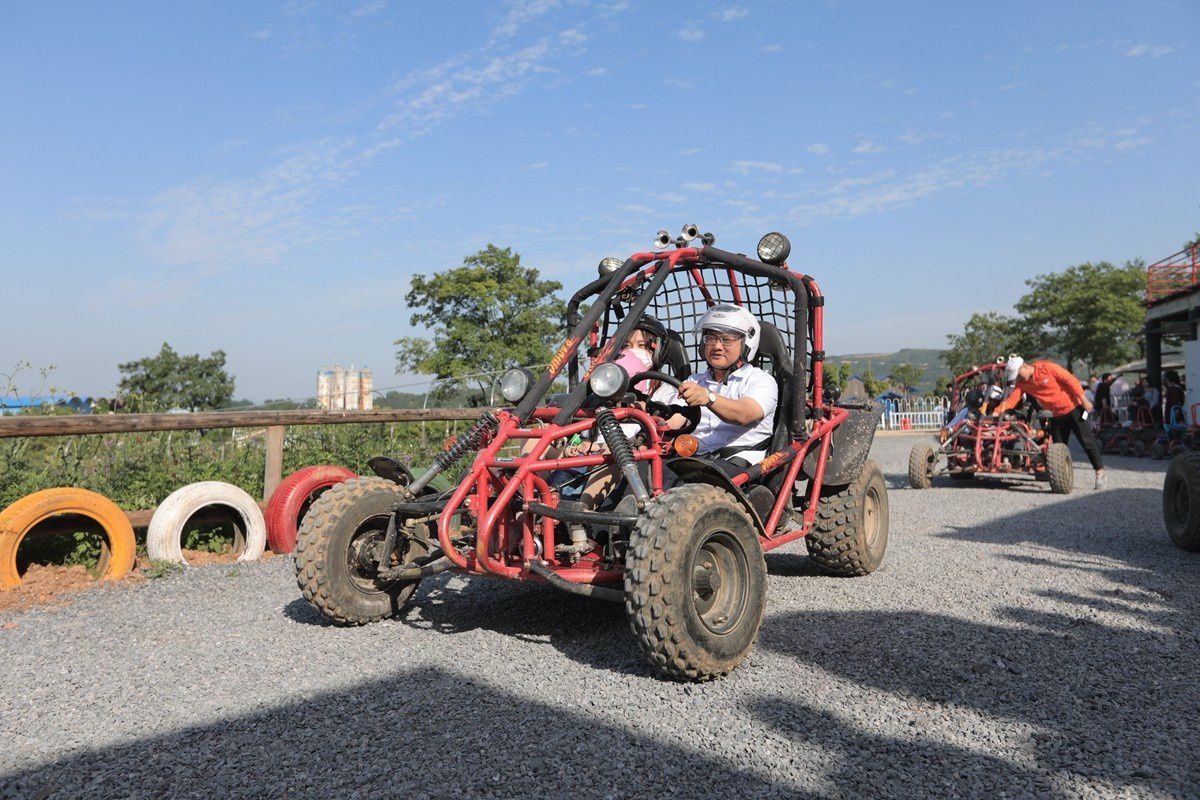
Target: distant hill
931, 362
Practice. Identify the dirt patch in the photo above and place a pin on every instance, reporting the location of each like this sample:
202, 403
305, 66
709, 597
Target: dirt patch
50, 585
57, 585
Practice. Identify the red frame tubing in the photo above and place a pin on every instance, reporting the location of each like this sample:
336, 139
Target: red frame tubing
507, 477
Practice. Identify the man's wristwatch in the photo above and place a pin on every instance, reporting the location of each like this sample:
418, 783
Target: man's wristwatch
712, 398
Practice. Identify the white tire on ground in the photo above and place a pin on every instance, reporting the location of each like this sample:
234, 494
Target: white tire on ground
166, 526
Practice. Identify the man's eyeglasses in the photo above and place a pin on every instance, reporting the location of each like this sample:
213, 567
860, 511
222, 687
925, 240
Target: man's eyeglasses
725, 339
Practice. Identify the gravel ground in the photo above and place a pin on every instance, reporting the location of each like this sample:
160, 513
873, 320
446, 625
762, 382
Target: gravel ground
1014, 644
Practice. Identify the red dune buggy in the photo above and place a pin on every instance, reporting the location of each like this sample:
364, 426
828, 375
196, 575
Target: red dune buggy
977, 443
679, 539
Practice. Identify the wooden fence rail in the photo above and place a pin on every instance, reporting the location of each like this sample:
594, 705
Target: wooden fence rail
273, 421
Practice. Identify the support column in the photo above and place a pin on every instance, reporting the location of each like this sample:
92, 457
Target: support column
1154, 356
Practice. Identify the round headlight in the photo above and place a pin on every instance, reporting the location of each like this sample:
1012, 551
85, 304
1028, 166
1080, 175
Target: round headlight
774, 248
662, 239
610, 265
608, 381
515, 383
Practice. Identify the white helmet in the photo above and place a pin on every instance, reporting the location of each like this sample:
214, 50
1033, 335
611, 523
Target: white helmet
1015, 362
728, 318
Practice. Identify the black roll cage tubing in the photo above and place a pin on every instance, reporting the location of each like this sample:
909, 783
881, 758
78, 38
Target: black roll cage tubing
607, 287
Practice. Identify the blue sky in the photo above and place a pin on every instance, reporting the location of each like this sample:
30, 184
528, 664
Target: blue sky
265, 178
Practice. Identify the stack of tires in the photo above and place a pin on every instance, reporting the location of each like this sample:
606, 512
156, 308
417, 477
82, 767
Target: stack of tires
254, 531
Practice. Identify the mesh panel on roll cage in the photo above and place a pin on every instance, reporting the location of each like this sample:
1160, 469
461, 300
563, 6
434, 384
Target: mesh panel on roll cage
690, 291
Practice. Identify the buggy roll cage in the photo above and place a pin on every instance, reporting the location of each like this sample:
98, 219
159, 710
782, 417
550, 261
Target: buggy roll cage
510, 497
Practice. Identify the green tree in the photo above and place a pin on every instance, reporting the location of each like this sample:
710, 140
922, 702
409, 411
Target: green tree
490, 314
1089, 313
942, 386
907, 376
871, 384
989, 335
169, 380
833, 376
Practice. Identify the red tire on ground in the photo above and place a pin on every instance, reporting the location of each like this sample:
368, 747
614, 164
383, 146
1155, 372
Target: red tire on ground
292, 498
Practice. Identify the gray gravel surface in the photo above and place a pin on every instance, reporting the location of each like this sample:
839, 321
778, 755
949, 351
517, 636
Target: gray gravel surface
1014, 644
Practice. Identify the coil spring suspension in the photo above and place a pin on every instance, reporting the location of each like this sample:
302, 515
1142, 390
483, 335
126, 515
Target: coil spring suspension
469, 441
622, 452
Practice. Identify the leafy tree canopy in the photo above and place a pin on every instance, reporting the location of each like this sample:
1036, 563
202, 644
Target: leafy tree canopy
1089, 313
907, 376
987, 336
170, 380
490, 314
871, 384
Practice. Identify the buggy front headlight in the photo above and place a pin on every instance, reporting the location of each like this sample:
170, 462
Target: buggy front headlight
515, 383
609, 265
774, 248
608, 381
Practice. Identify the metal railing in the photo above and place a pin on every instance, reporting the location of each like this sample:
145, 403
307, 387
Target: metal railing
913, 414
1174, 274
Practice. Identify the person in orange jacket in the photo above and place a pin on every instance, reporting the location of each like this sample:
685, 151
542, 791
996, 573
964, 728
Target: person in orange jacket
1060, 393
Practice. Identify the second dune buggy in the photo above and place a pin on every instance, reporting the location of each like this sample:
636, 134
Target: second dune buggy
680, 539
978, 443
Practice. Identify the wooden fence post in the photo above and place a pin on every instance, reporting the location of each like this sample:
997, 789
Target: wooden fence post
273, 473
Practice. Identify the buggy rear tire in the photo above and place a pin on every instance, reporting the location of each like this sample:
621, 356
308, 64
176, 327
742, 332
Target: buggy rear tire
1059, 469
1181, 501
921, 462
342, 523
849, 536
293, 497
695, 582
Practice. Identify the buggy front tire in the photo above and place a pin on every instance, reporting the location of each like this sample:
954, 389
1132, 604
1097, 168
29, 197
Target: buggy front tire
1059, 468
342, 526
695, 582
921, 462
849, 536
1181, 501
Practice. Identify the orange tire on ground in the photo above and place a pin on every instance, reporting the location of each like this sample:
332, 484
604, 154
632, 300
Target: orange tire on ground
291, 499
116, 559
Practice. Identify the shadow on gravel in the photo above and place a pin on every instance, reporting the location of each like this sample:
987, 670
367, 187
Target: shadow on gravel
1113, 700
419, 734
1109, 704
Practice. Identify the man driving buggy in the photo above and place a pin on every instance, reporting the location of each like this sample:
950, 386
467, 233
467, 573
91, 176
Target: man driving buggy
731, 404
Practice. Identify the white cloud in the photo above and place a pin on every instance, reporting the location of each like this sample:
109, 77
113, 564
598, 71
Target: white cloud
538, 165
1146, 49
770, 48
691, 34
697, 186
671, 197
1008, 87
1133, 143
261, 35
634, 209
519, 13
746, 167
732, 13
368, 9
683, 84
596, 72
867, 146
690, 151
818, 149
946, 115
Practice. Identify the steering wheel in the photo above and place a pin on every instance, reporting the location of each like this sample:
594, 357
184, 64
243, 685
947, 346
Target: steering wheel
655, 375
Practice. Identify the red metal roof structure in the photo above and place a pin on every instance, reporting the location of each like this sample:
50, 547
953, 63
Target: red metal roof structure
1174, 275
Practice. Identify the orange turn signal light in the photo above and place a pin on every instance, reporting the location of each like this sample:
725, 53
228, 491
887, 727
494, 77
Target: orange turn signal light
686, 445
450, 441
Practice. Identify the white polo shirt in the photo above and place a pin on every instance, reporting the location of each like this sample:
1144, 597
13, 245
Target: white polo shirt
715, 433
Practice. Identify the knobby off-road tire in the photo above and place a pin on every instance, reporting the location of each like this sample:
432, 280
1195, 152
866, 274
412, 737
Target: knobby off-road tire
1059, 468
849, 536
695, 582
1181, 501
921, 462
344, 520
